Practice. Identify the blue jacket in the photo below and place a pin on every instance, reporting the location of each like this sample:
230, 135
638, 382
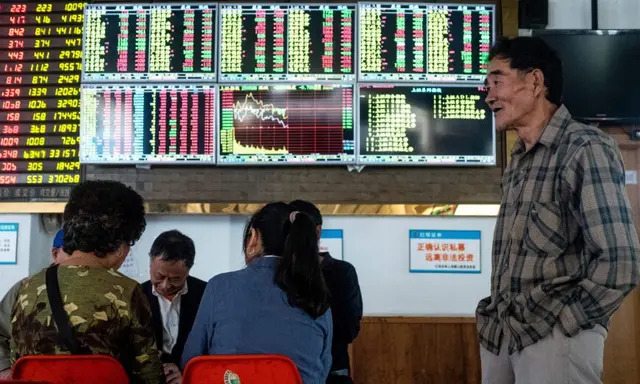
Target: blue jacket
245, 312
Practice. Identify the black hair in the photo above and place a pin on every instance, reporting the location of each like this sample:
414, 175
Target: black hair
101, 216
309, 208
528, 53
298, 274
174, 246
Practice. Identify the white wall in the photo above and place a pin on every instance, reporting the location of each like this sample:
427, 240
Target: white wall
379, 250
377, 246
10, 273
569, 14
211, 235
576, 14
34, 249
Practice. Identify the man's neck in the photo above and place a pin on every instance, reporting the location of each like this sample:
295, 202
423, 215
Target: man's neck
531, 131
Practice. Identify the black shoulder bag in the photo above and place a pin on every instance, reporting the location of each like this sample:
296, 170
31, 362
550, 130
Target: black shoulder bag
65, 332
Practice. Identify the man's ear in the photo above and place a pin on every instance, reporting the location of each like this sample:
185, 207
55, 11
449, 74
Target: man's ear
537, 78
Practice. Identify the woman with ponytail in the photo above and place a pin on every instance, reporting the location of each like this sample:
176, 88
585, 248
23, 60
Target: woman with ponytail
278, 304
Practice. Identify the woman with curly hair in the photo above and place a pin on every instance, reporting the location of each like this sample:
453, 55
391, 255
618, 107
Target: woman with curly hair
104, 311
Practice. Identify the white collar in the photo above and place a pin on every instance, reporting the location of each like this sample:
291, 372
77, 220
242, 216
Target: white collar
182, 292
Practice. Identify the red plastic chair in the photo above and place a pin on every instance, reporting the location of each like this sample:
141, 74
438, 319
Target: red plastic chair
70, 369
22, 382
246, 369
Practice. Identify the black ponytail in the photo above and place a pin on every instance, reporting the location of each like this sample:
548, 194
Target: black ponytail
299, 273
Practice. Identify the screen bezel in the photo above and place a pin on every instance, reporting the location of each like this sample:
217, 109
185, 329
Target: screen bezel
396, 163
297, 78
147, 6
593, 32
414, 79
152, 161
224, 163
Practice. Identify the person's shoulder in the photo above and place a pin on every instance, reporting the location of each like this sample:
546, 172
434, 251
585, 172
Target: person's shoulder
342, 266
36, 279
114, 279
146, 286
326, 318
228, 277
196, 284
580, 135
13, 292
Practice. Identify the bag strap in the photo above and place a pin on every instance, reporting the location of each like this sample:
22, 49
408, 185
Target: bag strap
65, 332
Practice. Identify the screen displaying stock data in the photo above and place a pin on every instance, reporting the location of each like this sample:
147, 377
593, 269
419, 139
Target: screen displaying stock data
148, 123
286, 124
40, 66
150, 42
425, 42
420, 124
271, 42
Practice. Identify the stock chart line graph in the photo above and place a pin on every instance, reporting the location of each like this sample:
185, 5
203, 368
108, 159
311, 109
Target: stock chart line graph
286, 123
262, 111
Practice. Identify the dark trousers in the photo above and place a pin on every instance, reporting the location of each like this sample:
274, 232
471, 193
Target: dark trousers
339, 380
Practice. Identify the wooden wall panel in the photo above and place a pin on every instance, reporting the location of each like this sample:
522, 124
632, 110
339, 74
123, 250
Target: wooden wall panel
432, 350
416, 351
622, 348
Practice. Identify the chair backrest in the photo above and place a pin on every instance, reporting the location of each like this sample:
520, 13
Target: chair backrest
241, 369
22, 382
70, 369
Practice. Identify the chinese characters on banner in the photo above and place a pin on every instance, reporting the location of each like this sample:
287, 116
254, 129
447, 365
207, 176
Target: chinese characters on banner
331, 241
8, 243
444, 251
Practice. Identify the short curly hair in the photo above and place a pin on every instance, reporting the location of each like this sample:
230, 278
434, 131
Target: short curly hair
101, 216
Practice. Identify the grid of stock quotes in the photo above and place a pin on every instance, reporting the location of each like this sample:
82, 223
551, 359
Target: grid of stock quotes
150, 42
272, 42
171, 117
286, 124
40, 67
405, 124
147, 123
425, 42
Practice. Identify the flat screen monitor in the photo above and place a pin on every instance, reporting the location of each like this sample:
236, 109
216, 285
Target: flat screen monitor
425, 42
287, 42
149, 42
286, 124
425, 125
150, 123
600, 73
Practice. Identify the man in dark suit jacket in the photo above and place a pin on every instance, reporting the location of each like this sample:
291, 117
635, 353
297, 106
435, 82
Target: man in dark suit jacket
174, 297
346, 302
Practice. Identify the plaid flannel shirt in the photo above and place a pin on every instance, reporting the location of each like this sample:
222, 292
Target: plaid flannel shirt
565, 250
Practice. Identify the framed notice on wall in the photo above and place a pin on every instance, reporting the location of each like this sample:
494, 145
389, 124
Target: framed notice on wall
331, 241
444, 251
8, 243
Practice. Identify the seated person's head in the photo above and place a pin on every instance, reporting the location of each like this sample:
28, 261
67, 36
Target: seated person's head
57, 253
172, 256
279, 230
310, 209
103, 219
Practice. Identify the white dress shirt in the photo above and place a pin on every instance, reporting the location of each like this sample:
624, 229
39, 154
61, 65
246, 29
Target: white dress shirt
170, 312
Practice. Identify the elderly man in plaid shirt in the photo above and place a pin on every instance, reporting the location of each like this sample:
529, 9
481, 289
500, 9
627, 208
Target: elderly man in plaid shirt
565, 250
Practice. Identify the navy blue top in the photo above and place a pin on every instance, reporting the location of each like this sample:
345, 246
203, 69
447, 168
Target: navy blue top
245, 312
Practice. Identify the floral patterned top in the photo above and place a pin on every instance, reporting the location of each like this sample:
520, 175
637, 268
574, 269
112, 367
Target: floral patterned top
109, 314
